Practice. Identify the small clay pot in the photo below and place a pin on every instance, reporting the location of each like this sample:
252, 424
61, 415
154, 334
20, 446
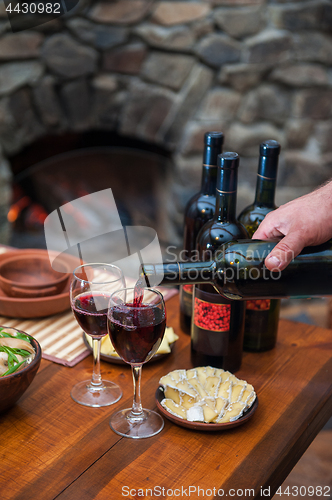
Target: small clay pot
31, 275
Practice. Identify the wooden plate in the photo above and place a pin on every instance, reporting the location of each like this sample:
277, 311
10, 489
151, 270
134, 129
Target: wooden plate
118, 361
201, 426
37, 307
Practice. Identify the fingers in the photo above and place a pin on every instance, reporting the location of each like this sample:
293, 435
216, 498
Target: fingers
268, 229
291, 244
284, 252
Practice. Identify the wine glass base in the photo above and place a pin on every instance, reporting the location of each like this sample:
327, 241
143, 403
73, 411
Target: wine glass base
87, 394
136, 428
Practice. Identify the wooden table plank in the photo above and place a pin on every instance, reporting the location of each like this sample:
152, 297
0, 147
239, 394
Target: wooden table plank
80, 457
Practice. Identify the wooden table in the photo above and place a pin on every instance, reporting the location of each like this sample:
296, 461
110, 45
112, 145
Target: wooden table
51, 447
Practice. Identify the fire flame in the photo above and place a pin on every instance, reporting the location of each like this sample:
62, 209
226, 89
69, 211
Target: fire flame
36, 213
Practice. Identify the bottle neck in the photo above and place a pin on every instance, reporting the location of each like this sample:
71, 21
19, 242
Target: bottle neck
177, 273
226, 195
266, 180
209, 172
265, 191
209, 180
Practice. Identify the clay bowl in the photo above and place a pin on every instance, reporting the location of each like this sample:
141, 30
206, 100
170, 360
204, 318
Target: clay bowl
13, 386
32, 276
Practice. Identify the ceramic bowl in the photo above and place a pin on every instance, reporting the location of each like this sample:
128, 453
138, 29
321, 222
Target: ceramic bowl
13, 386
32, 276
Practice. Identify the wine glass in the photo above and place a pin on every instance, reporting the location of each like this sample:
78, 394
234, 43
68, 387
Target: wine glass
90, 290
136, 328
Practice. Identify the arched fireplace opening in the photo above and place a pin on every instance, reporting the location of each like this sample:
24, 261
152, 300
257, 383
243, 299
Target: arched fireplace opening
57, 169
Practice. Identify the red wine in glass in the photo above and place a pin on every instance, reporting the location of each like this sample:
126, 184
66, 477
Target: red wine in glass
136, 326
91, 319
90, 290
136, 334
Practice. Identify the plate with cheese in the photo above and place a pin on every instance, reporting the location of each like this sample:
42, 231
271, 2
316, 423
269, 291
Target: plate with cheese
108, 353
206, 398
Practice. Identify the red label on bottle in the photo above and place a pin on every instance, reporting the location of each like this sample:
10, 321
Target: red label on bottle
213, 317
258, 304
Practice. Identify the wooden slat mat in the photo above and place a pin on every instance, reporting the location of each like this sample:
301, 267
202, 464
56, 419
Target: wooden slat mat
60, 336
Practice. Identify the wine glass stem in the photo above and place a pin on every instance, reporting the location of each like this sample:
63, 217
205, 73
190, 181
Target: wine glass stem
96, 377
137, 410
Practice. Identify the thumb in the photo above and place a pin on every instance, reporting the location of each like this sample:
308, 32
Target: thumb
285, 251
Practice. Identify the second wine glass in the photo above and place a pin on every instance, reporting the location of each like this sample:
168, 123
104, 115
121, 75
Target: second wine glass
90, 291
136, 325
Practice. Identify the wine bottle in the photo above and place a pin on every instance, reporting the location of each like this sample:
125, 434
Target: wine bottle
238, 272
262, 315
199, 210
217, 324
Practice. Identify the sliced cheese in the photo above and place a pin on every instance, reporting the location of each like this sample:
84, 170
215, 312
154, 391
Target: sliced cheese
250, 387
170, 335
164, 347
201, 375
233, 378
232, 413
211, 385
107, 347
174, 409
206, 394
199, 388
248, 396
178, 374
187, 401
225, 376
224, 390
210, 371
251, 400
211, 402
221, 404
172, 393
187, 388
195, 414
209, 413
167, 380
191, 373
237, 391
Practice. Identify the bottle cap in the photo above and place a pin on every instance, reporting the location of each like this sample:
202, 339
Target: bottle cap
228, 160
269, 148
214, 139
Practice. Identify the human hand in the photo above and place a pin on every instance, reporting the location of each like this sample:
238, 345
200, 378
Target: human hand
305, 221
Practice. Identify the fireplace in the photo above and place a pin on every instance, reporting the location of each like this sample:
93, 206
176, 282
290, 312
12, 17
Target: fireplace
159, 74
138, 174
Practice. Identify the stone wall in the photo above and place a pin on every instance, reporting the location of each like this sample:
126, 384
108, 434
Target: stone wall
166, 71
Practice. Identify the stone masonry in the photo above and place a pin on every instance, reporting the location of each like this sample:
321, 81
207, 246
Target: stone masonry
167, 71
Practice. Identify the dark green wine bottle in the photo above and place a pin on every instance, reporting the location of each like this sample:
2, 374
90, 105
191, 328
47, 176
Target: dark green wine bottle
238, 272
217, 324
199, 210
262, 315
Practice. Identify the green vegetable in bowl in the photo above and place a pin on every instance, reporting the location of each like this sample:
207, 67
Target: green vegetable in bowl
15, 351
